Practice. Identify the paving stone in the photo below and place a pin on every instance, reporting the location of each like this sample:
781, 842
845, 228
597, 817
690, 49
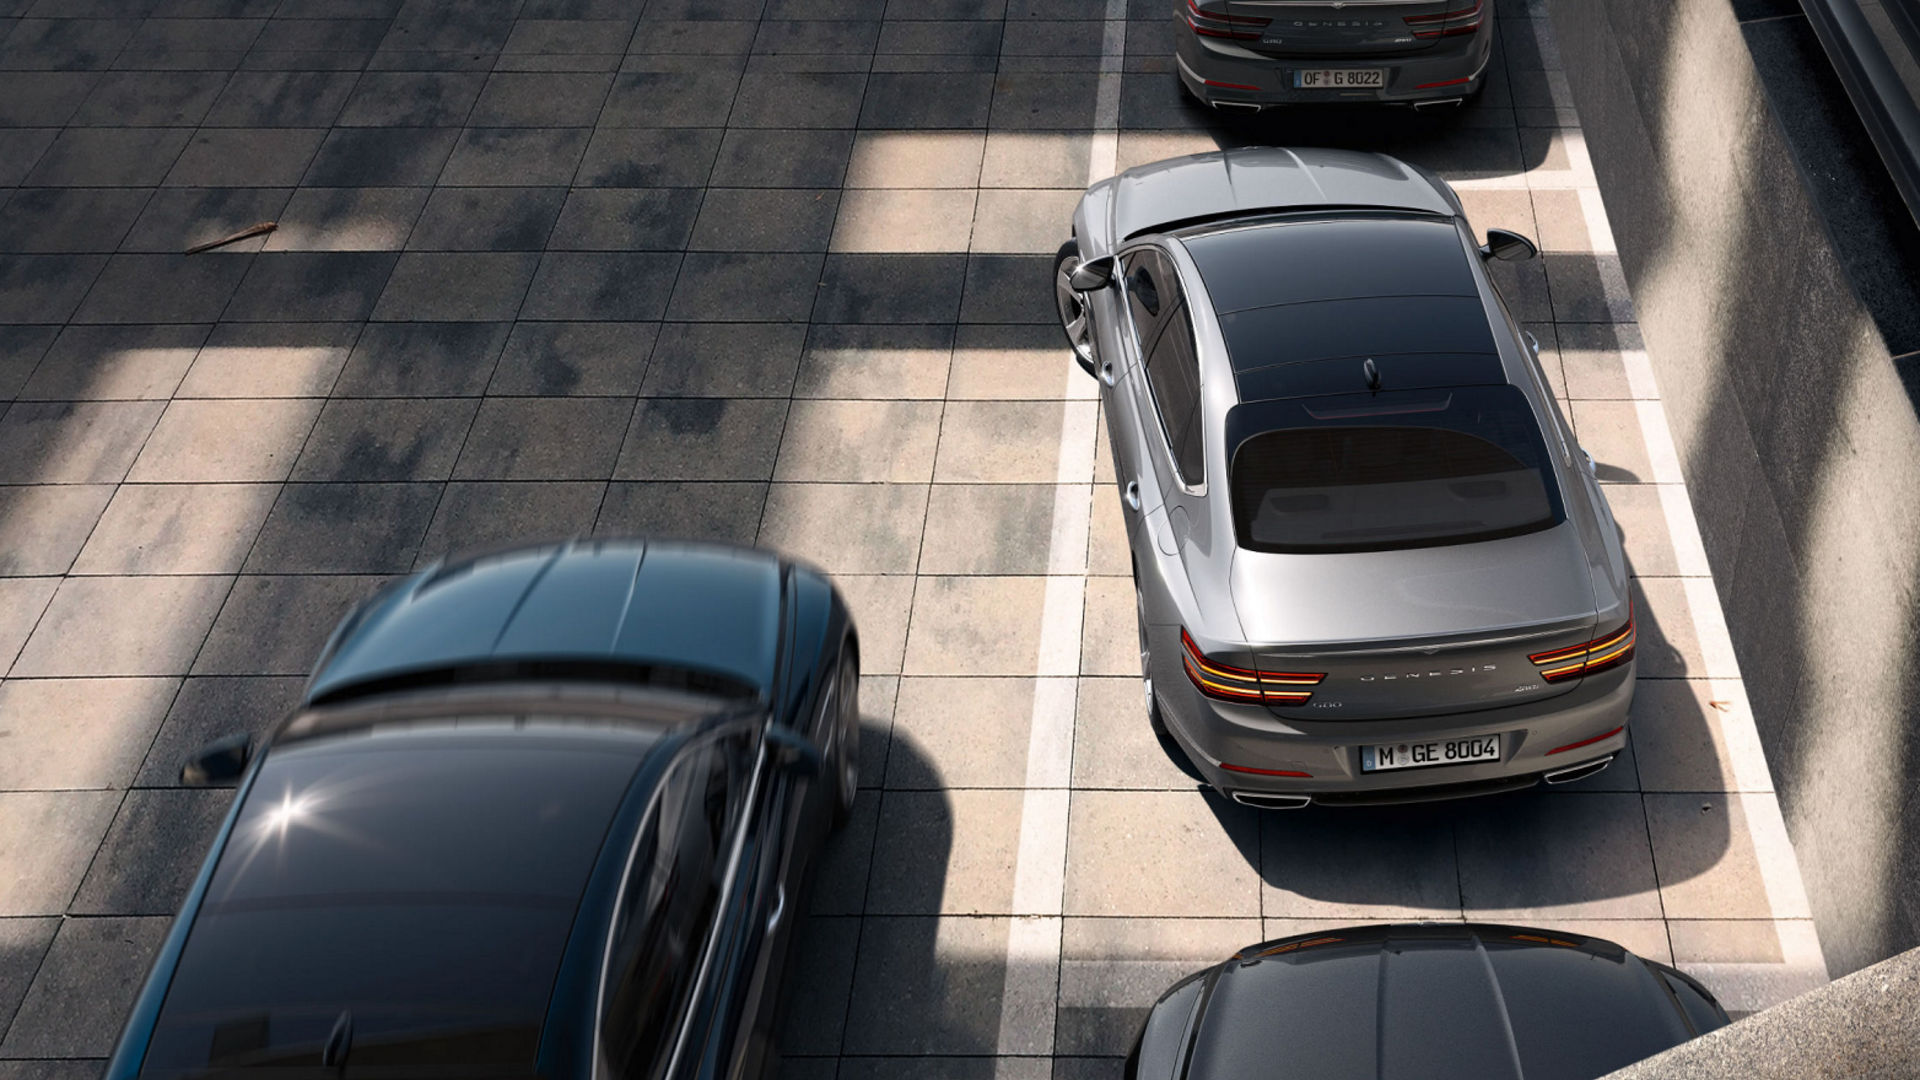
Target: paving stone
23, 942
799, 100
515, 157
73, 442
819, 979
21, 349
1009, 362
20, 150
648, 157
483, 515
106, 363
1679, 737
1110, 638
927, 985
487, 219
1112, 971
108, 157
210, 708
1022, 221
849, 528
265, 360
541, 99
22, 602
150, 99
1044, 101
1703, 852
1114, 746
727, 512
966, 733
422, 359
775, 158
540, 36
343, 528
544, 439
1161, 854
246, 157
411, 99
889, 220
945, 852
740, 287
302, 99
1005, 442
275, 625
625, 286
979, 626
859, 441
176, 529
347, 219
176, 219
45, 288
1387, 863
880, 604
1028, 159
42, 526
702, 439
152, 852
46, 220
491, 285
750, 219
626, 219
225, 441
42, 98
86, 985
313, 286
53, 1069
65, 44
1555, 857
677, 99
930, 101
999, 289
122, 626
584, 358
164, 288
373, 157
918, 159
988, 529
868, 288
874, 362
71, 734
725, 360
913, 36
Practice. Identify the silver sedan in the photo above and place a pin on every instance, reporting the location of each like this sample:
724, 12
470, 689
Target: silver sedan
1371, 562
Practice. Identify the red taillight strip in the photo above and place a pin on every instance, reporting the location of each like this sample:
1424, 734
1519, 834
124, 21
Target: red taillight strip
1448, 82
1265, 772
1596, 655
1443, 16
1229, 85
1221, 25
1239, 684
1446, 23
1587, 742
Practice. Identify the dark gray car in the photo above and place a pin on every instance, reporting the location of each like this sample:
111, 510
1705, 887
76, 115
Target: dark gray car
1371, 562
1249, 54
1431, 1001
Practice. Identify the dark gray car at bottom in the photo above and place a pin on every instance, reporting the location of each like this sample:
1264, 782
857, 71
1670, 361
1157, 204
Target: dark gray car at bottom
1371, 562
1431, 1001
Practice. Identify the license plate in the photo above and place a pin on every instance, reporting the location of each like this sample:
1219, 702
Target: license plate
1340, 79
1420, 755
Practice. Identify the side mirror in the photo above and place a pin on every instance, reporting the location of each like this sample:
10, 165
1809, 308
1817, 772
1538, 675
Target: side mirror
793, 752
218, 761
1092, 276
1507, 246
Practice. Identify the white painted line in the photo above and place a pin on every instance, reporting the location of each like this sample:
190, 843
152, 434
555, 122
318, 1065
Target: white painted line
1742, 987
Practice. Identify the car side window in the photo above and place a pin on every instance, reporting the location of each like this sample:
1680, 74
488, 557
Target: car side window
1165, 337
668, 905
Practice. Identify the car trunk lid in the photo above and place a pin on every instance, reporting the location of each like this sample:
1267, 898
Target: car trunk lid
1353, 28
1417, 632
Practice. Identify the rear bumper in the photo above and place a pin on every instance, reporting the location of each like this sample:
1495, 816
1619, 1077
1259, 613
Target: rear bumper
1225, 75
1584, 726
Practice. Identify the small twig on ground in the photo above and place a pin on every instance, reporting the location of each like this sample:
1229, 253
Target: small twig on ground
251, 230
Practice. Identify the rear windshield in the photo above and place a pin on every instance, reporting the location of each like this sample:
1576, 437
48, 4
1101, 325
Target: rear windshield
413, 890
1382, 472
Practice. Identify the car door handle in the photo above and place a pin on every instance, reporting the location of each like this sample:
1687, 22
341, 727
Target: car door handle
1106, 374
1132, 495
779, 908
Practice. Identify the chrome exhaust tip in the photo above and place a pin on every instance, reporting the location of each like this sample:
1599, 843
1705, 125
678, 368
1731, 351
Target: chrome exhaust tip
1243, 106
1579, 772
1437, 102
1271, 802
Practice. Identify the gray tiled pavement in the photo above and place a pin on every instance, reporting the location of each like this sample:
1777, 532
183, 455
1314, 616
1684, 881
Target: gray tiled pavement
766, 270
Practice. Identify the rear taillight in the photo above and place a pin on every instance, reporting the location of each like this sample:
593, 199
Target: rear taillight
1600, 654
1447, 23
1218, 24
1238, 684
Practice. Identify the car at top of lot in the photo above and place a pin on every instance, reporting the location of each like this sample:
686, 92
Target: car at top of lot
1371, 563
1432, 1001
543, 812
1246, 55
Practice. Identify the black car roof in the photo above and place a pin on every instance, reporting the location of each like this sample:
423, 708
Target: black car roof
1434, 1002
1303, 303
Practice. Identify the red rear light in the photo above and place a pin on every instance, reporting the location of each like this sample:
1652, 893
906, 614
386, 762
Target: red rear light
1447, 23
1264, 772
1603, 736
1218, 24
1238, 684
1609, 651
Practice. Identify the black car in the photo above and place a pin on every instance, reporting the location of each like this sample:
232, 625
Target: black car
545, 812
1433, 1001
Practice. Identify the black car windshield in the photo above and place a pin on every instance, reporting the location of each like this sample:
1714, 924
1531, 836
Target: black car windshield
414, 890
1381, 472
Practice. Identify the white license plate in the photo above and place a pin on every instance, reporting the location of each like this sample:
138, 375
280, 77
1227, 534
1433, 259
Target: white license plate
1420, 755
1340, 79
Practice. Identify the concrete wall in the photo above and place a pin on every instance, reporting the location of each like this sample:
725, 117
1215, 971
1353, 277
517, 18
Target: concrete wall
1800, 445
